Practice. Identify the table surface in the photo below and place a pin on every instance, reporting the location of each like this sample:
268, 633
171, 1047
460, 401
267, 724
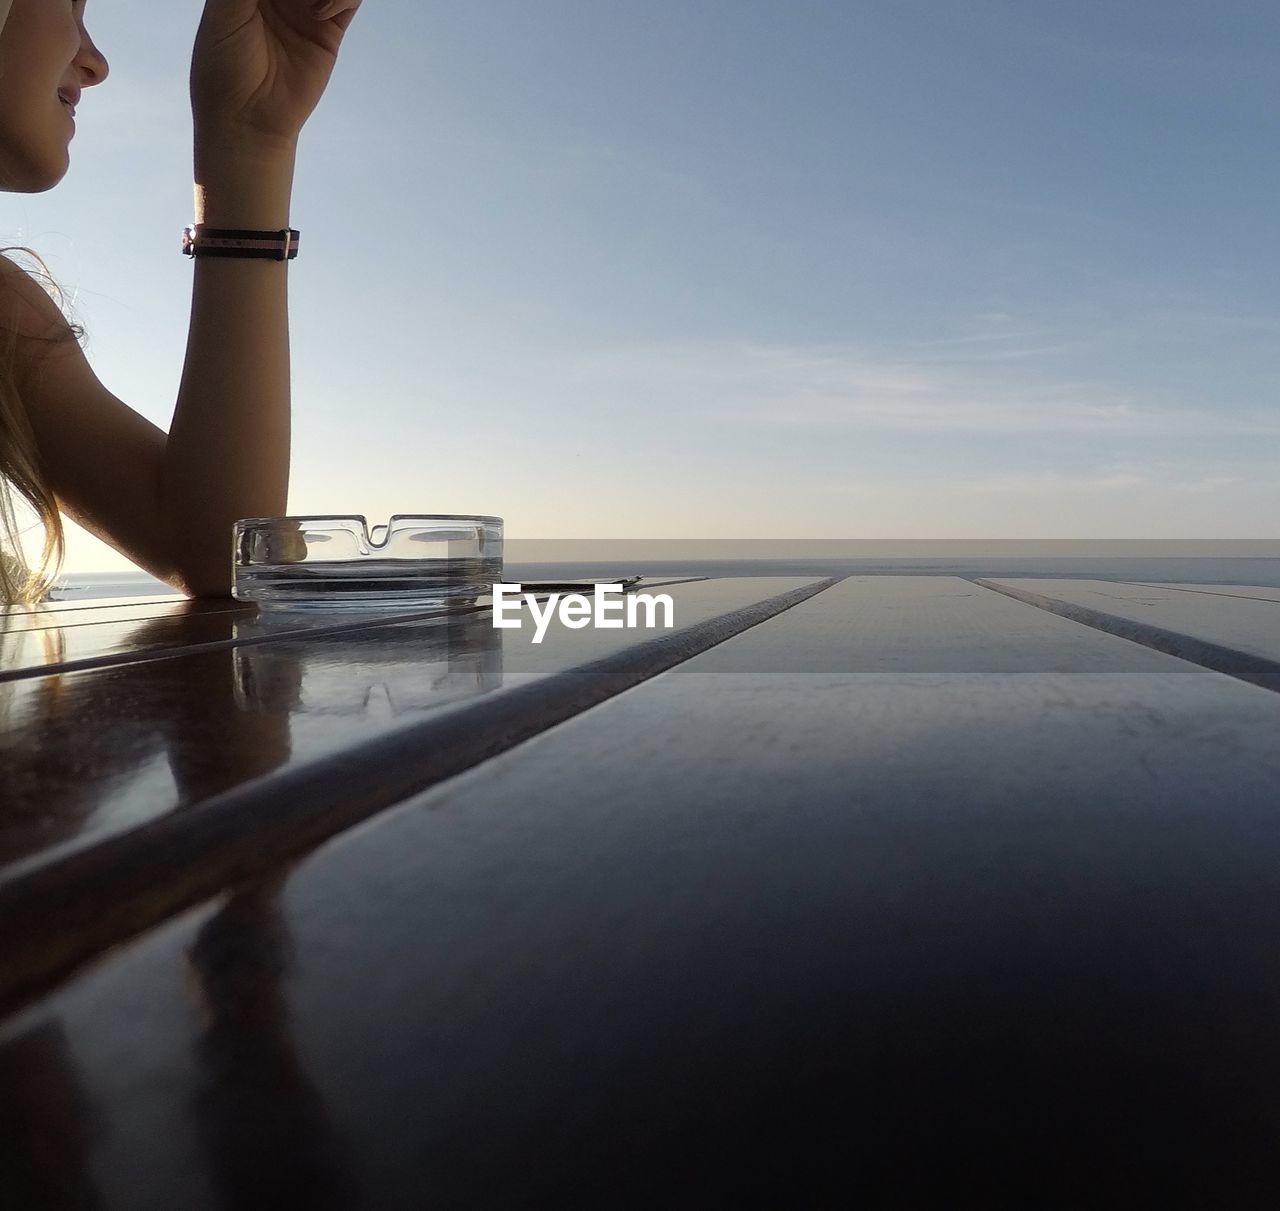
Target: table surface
883, 890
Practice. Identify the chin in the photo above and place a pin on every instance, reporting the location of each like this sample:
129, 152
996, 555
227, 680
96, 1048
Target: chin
34, 182
48, 184
33, 174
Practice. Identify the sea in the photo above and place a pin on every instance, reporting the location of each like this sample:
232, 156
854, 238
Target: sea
1152, 561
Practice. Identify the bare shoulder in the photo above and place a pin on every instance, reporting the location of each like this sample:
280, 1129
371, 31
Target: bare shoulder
27, 308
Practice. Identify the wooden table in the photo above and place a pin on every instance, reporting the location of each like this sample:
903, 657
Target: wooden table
888, 890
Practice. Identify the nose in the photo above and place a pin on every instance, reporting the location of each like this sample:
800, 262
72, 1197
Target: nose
91, 61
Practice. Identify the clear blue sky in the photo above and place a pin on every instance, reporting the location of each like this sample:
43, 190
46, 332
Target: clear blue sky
737, 268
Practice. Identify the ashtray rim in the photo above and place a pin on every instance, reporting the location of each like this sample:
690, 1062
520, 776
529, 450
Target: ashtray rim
360, 517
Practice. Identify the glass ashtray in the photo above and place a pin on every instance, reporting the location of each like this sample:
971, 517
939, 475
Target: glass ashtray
415, 561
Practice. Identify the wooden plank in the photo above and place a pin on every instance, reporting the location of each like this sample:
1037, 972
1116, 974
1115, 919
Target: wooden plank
1256, 592
87, 755
127, 637
694, 601
61, 904
1248, 624
885, 624
737, 939
61, 643
37, 640
1234, 635
34, 617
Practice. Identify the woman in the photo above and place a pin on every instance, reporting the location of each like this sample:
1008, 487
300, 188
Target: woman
168, 502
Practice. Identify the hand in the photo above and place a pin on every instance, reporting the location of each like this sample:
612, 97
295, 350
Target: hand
260, 67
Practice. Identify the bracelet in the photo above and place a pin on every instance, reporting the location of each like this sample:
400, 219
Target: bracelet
200, 240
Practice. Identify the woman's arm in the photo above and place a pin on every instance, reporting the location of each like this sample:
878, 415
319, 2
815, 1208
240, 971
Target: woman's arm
228, 445
258, 70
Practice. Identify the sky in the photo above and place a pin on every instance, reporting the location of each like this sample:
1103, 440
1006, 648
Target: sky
904, 269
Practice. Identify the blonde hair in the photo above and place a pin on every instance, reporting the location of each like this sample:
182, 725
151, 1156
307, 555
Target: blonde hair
21, 471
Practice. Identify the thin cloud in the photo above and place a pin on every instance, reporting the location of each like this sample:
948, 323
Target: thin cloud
1117, 478
826, 389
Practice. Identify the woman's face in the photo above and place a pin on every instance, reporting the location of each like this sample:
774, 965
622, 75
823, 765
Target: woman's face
46, 58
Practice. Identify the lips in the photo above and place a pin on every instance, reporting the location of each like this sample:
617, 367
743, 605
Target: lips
70, 97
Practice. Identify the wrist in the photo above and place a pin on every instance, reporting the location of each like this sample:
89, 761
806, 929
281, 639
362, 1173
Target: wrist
222, 141
228, 200
239, 183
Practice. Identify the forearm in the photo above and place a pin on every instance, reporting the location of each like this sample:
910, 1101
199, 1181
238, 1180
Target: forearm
227, 456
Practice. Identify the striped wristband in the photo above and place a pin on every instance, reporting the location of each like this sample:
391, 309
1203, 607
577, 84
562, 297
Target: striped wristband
201, 240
